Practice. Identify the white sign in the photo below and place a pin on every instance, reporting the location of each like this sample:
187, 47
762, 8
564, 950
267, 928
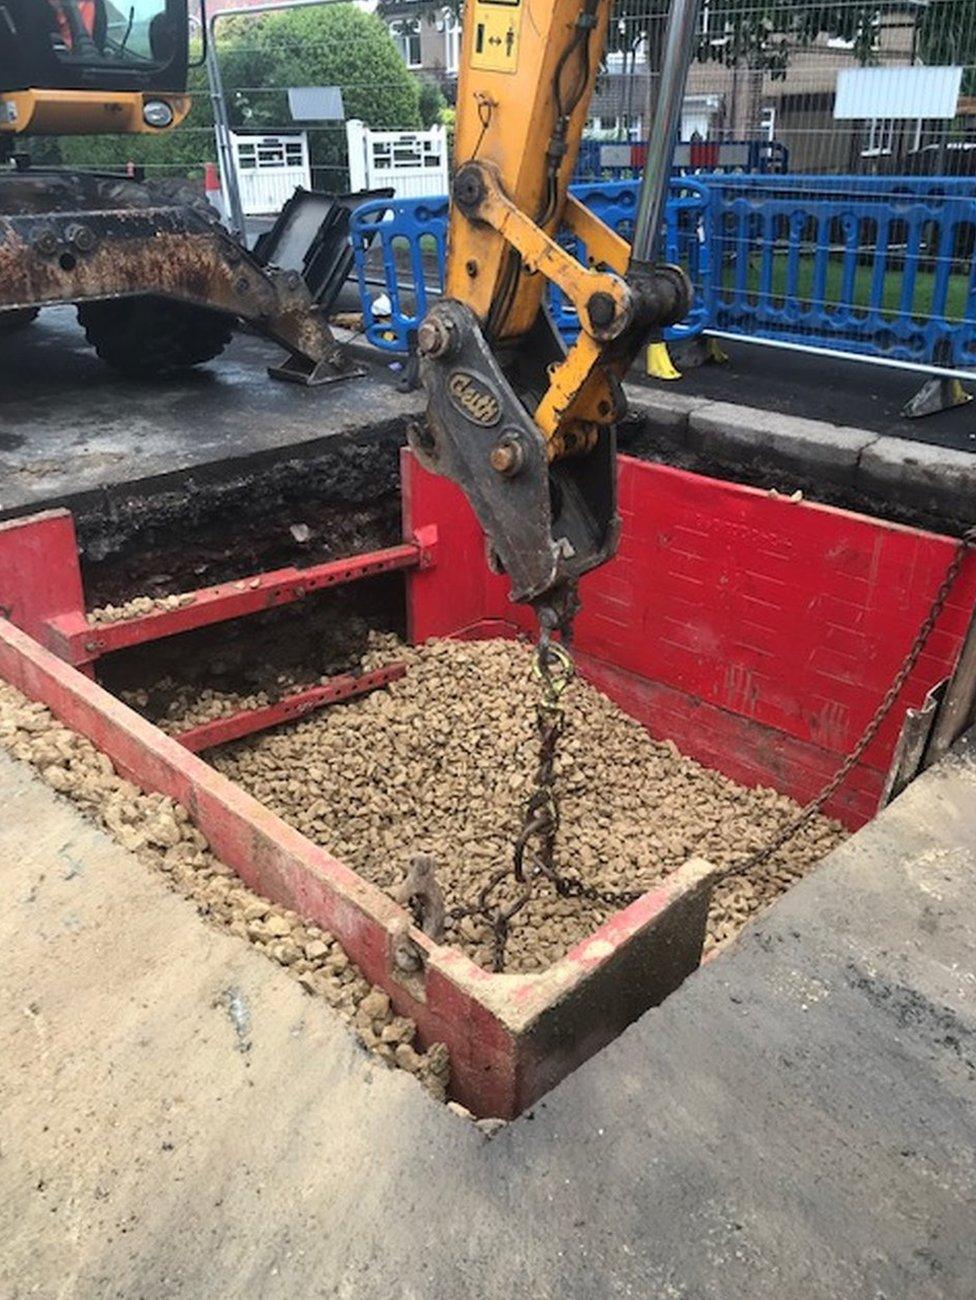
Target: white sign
898, 94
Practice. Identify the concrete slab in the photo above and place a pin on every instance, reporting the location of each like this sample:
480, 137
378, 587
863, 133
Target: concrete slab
730, 433
69, 425
799, 1119
930, 478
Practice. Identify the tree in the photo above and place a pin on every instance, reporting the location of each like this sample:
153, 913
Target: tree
432, 102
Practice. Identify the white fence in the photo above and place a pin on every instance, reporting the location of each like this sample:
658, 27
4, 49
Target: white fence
269, 167
412, 163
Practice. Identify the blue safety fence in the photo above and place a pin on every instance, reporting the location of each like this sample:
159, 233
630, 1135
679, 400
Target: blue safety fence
399, 247
881, 266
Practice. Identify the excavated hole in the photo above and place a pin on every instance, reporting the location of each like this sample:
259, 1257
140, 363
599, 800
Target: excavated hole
442, 761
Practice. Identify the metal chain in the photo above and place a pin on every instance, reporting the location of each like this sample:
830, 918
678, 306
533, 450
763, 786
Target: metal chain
537, 838
540, 824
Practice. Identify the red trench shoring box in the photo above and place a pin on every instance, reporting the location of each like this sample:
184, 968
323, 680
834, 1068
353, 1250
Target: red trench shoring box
757, 632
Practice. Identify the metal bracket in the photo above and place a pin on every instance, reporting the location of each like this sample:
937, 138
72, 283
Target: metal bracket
546, 523
298, 369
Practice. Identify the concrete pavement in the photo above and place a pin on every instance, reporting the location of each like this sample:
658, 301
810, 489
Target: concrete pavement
798, 1120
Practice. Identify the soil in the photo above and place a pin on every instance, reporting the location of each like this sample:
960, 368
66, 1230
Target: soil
330, 499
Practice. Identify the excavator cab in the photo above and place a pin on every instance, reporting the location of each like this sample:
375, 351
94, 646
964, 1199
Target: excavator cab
50, 48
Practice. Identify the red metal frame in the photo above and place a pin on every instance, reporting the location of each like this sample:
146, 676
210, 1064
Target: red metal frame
287, 709
77, 641
40, 578
511, 1037
757, 633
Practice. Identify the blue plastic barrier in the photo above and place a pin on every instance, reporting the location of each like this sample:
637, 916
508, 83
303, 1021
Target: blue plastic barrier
881, 266
409, 236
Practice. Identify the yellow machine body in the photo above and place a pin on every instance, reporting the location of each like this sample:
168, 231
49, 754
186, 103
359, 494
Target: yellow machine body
509, 56
84, 112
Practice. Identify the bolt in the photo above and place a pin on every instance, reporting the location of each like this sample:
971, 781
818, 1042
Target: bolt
602, 309
434, 337
83, 238
506, 457
471, 266
46, 243
469, 186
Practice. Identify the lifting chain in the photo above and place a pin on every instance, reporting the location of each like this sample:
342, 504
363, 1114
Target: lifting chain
540, 826
536, 840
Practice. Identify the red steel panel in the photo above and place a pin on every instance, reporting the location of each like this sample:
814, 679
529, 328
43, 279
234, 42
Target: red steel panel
731, 614
40, 577
74, 639
245, 723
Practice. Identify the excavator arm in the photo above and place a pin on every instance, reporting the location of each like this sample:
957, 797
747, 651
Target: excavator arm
524, 425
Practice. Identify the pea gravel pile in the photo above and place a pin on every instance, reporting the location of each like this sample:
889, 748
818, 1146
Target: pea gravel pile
442, 762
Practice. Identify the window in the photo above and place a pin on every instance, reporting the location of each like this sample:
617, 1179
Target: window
881, 137
87, 31
452, 41
406, 36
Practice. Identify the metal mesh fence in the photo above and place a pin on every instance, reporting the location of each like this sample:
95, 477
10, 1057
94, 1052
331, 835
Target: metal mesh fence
838, 143
814, 88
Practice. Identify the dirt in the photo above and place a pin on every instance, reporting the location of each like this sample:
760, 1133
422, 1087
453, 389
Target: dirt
327, 500
161, 835
441, 763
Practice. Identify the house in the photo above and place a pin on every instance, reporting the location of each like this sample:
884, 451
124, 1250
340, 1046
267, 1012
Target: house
743, 103
429, 40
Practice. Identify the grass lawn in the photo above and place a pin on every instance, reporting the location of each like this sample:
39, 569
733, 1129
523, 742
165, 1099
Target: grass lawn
955, 306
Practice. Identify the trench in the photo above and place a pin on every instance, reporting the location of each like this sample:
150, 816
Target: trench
440, 763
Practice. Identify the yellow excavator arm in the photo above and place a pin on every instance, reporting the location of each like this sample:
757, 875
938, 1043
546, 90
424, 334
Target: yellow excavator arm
524, 425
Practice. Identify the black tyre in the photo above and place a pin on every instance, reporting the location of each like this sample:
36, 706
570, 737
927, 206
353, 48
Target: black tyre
146, 337
17, 319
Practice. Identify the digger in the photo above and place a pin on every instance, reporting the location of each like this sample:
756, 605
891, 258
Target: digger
523, 425
159, 284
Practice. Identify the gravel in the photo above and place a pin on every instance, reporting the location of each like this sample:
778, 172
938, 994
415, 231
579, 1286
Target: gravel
159, 831
138, 606
441, 763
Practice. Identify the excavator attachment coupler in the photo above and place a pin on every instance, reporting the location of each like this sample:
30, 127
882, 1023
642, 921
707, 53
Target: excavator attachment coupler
548, 521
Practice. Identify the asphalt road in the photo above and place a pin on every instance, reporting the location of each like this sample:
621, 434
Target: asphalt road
850, 393
68, 423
